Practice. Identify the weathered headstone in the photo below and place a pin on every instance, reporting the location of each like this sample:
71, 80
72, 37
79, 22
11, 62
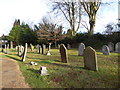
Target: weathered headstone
43, 49
43, 71
19, 52
68, 46
39, 49
63, 52
111, 46
90, 59
105, 50
31, 47
5, 48
58, 45
117, 47
49, 46
11, 45
81, 49
25, 52
16, 48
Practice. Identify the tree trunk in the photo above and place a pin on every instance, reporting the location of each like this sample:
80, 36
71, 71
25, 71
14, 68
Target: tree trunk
91, 29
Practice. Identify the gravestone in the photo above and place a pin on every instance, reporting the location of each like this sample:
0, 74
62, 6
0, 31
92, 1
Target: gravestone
68, 46
33, 63
31, 47
90, 59
111, 46
25, 52
105, 50
43, 71
59, 46
43, 49
37, 46
5, 48
49, 46
81, 49
19, 52
11, 45
16, 48
117, 47
63, 52
39, 49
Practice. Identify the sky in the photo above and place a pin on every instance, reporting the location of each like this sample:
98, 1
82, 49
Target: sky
32, 11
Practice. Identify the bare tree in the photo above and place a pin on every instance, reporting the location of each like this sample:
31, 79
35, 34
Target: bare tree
72, 12
91, 9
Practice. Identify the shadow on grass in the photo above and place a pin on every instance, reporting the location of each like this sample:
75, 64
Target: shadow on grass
33, 70
13, 58
66, 66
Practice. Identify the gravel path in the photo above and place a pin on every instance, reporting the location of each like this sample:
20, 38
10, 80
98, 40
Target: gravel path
11, 75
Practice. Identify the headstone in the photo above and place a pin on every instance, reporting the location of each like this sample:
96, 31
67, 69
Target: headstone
16, 48
11, 45
111, 46
63, 52
58, 45
33, 63
5, 48
90, 59
43, 71
49, 46
19, 52
31, 47
25, 52
68, 46
43, 49
37, 46
39, 49
105, 50
48, 53
117, 47
81, 49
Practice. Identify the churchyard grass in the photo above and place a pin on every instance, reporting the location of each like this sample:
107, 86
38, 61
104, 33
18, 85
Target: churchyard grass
68, 75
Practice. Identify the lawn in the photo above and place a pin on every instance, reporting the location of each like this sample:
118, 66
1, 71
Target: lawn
68, 75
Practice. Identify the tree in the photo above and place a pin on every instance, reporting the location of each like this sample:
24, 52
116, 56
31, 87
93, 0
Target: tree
72, 12
14, 34
91, 9
48, 31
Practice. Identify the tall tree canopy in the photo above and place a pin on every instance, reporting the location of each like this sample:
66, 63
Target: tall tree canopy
91, 9
72, 12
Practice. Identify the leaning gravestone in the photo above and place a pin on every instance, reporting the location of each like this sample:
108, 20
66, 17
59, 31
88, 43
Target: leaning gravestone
90, 59
117, 47
63, 52
24, 53
105, 50
81, 49
68, 46
111, 46
31, 47
11, 45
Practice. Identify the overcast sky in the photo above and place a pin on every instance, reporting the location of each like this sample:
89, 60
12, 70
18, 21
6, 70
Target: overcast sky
32, 11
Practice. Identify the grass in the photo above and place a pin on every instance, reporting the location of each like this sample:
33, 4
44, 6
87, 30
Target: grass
68, 75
